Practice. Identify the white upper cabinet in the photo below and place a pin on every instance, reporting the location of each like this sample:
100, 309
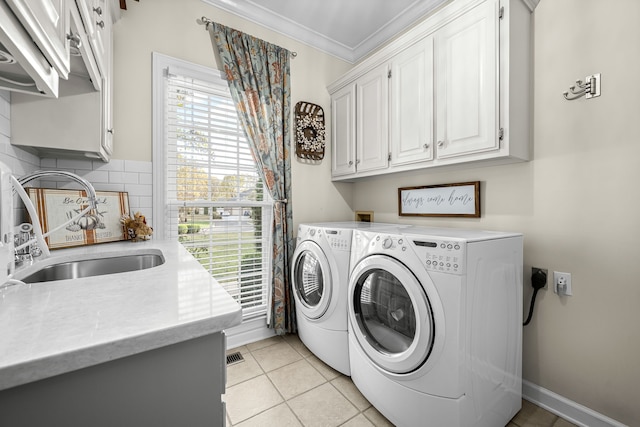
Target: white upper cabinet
47, 23
412, 117
466, 83
359, 113
372, 112
343, 131
77, 124
454, 95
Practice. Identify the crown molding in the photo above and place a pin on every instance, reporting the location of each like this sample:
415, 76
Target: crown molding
267, 18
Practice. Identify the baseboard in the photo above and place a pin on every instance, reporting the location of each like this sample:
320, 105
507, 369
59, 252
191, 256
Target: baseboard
248, 331
569, 410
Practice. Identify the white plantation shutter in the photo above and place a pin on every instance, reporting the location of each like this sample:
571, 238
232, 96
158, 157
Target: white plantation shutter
215, 203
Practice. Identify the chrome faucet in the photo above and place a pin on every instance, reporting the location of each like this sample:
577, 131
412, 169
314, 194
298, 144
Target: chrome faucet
91, 192
26, 246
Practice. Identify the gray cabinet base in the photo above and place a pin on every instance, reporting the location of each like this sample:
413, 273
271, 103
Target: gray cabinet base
177, 385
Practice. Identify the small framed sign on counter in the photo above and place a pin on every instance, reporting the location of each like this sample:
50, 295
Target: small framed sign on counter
446, 200
56, 206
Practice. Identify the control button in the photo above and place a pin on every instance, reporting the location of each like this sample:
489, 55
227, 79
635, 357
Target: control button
399, 241
448, 264
312, 232
442, 245
441, 264
449, 246
455, 266
404, 248
457, 246
387, 243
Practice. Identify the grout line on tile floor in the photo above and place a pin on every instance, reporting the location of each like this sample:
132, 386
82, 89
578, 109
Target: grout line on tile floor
530, 415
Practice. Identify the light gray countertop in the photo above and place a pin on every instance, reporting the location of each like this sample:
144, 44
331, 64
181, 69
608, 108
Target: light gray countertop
56, 327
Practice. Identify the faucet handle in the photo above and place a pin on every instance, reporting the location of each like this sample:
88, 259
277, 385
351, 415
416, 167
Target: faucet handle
22, 235
25, 245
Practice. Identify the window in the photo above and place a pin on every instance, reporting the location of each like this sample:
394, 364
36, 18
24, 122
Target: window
206, 185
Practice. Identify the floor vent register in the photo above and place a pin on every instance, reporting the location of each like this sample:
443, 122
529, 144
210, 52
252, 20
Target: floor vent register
234, 358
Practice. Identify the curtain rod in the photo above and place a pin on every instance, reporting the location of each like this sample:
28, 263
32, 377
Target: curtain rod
206, 21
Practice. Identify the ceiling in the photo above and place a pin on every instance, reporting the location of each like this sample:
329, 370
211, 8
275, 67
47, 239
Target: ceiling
348, 29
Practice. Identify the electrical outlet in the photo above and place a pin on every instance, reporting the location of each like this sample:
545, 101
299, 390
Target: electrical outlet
562, 283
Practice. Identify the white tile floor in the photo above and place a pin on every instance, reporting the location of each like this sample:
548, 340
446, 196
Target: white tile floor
280, 383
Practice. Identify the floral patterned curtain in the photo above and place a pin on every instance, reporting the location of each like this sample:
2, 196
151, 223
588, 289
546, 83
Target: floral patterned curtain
258, 77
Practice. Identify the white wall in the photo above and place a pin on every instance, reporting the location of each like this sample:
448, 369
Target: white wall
169, 27
575, 203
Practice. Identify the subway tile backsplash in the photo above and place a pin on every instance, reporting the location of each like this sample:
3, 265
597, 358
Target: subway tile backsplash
134, 177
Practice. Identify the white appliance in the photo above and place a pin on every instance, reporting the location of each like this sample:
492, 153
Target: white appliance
319, 277
6, 224
435, 325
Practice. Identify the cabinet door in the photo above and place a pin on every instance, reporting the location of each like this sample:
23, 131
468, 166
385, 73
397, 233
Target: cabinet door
105, 35
372, 119
412, 104
102, 35
47, 23
466, 91
343, 131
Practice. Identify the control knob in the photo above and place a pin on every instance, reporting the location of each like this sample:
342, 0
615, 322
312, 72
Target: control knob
387, 243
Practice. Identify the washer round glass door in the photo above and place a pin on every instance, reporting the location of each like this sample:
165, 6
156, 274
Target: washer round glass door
311, 276
390, 314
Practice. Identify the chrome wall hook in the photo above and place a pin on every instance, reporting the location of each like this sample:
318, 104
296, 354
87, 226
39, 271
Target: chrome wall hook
590, 88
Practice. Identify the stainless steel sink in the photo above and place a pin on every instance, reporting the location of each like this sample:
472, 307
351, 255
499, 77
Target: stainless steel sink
95, 267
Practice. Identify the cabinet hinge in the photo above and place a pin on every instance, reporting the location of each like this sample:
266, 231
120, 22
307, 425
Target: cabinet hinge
501, 134
389, 74
501, 12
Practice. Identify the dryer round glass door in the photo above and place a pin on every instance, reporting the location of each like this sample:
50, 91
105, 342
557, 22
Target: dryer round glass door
311, 277
390, 314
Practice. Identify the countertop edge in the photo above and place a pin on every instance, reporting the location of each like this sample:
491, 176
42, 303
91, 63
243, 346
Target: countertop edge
39, 369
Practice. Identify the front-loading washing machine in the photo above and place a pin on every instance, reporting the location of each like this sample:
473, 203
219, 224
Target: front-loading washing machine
319, 277
435, 325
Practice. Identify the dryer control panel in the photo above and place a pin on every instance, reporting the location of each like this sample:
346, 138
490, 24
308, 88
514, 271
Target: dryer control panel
338, 239
447, 256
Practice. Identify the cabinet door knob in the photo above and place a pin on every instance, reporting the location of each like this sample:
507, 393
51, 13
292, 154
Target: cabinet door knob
357, 161
75, 40
110, 130
98, 10
100, 24
425, 146
350, 162
440, 143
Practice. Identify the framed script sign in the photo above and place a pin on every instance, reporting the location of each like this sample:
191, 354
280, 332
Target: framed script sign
446, 200
55, 207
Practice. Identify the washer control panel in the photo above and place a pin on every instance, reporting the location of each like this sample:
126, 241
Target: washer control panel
446, 256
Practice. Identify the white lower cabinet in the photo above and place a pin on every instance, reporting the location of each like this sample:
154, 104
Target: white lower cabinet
452, 96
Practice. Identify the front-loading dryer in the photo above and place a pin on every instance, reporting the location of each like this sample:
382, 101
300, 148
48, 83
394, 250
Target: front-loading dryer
319, 277
435, 325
